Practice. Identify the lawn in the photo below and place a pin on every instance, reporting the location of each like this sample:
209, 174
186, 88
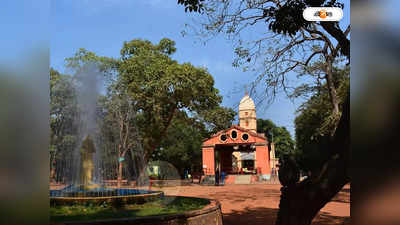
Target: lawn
164, 206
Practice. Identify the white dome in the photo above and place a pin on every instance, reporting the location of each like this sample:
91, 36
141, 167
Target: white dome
246, 103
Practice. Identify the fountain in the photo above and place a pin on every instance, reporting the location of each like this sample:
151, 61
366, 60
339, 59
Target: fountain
83, 171
87, 191
88, 168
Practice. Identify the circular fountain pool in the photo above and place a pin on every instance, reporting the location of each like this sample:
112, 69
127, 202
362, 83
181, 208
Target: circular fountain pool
116, 196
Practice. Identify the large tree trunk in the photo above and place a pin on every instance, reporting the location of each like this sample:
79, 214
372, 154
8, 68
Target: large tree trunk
53, 168
301, 202
136, 167
120, 166
119, 179
130, 166
331, 87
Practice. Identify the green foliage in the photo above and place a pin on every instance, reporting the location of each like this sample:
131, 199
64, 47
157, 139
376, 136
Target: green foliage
63, 111
284, 144
219, 118
138, 47
287, 18
273, 55
84, 57
192, 5
315, 123
182, 144
148, 101
118, 131
162, 86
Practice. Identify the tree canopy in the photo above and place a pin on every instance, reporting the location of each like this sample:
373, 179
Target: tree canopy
182, 144
280, 16
151, 101
314, 124
283, 46
63, 113
280, 136
161, 87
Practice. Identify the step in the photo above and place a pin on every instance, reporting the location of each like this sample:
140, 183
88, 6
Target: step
243, 179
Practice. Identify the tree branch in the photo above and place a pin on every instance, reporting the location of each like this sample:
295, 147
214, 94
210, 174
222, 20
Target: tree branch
334, 30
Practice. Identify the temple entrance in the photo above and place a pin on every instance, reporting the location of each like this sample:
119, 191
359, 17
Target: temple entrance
235, 159
248, 166
240, 155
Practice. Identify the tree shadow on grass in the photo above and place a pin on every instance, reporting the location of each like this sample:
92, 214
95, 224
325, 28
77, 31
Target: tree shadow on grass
267, 216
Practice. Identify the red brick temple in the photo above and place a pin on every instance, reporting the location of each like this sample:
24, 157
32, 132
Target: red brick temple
238, 150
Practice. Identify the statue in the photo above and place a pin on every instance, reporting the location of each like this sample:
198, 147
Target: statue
87, 151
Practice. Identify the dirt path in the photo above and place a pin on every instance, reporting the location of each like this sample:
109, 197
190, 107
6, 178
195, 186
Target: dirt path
258, 204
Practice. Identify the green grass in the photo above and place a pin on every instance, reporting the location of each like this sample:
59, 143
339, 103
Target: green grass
164, 206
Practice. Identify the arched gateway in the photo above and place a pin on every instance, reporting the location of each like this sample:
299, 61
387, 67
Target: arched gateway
238, 150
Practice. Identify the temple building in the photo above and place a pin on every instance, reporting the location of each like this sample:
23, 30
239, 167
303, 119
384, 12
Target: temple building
239, 151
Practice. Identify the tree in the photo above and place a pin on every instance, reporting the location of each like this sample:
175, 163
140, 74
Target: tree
291, 45
161, 87
119, 128
147, 82
63, 127
182, 144
314, 192
279, 16
84, 58
314, 123
219, 118
281, 137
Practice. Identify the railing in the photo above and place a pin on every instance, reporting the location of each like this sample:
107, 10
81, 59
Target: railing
115, 182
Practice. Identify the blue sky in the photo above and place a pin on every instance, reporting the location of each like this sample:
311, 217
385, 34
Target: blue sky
102, 26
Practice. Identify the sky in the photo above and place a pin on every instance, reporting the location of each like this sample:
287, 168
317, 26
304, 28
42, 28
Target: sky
101, 26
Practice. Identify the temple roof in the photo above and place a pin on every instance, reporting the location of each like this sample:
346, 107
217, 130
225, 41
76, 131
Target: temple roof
254, 137
241, 129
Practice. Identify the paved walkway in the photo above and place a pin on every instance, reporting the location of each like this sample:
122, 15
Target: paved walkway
258, 204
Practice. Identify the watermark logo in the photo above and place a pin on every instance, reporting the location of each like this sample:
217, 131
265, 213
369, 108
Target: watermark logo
323, 14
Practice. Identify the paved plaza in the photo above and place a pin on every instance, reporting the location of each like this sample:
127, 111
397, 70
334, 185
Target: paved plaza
258, 204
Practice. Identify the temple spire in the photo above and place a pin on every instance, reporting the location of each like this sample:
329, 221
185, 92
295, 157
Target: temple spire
247, 113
